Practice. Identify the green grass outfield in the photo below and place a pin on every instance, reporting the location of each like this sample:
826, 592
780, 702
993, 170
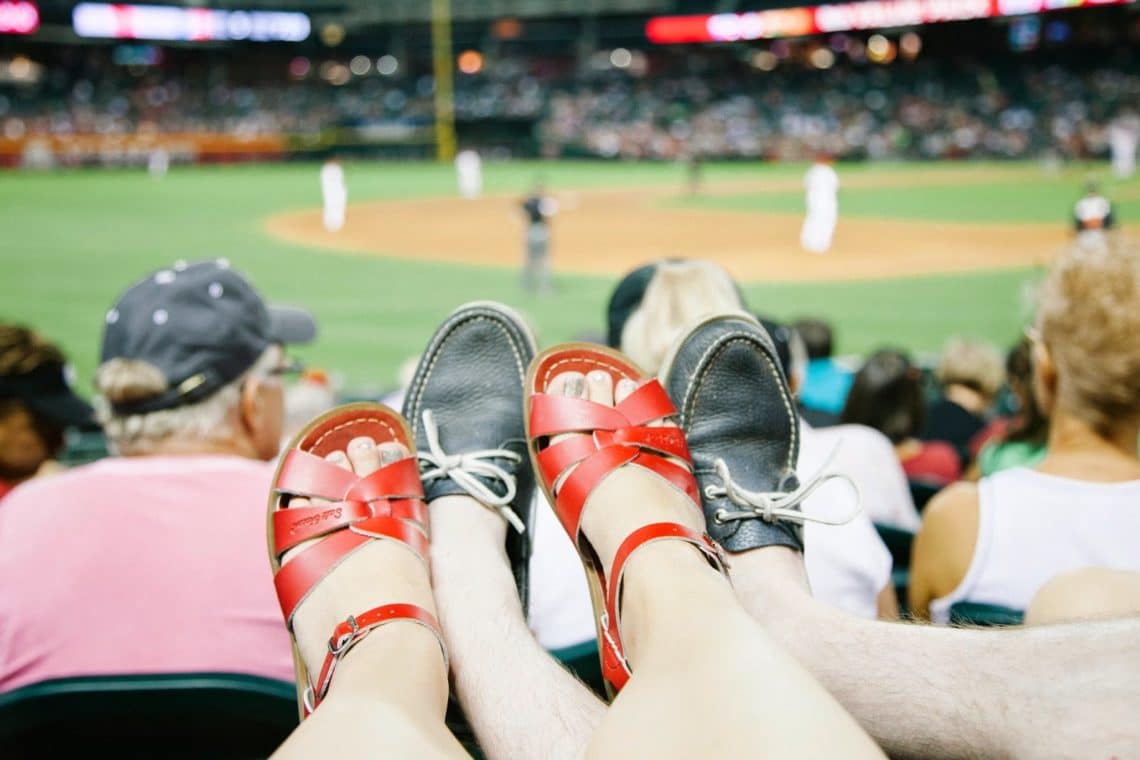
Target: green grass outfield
71, 241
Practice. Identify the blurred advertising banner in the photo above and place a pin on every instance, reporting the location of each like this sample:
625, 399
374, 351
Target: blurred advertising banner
135, 149
18, 17
166, 22
844, 17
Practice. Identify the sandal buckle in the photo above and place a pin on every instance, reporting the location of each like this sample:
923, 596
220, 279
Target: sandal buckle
343, 635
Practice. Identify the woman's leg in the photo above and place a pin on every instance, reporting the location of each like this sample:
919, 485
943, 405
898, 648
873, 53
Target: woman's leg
389, 693
707, 680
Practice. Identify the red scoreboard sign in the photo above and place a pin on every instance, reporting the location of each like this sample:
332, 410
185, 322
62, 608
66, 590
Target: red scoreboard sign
18, 17
844, 17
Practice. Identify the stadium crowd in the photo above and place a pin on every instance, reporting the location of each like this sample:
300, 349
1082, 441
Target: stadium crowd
929, 108
1008, 485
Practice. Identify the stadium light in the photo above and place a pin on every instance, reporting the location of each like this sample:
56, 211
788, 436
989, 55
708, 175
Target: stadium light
18, 17
165, 22
844, 17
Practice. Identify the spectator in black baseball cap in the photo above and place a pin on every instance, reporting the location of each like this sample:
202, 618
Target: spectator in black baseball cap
37, 405
160, 569
175, 347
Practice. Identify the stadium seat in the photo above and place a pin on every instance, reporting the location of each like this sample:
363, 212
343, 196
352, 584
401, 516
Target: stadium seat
582, 660
83, 447
922, 493
973, 613
898, 542
195, 714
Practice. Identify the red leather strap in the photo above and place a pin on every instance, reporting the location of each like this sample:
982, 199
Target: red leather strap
551, 415
297, 524
349, 633
305, 474
648, 403
615, 666
663, 440
400, 479
571, 497
619, 436
297, 576
398, 483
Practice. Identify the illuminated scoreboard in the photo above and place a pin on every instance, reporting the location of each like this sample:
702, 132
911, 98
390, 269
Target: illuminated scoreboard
18, 17
166, 22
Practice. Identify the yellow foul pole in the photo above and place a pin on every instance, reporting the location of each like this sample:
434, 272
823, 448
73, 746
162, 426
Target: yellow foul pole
442, 63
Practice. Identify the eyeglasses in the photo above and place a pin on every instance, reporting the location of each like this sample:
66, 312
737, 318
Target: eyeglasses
290, 366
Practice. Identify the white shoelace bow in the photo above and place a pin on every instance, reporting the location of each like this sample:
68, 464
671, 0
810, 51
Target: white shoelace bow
777, 505
464, 469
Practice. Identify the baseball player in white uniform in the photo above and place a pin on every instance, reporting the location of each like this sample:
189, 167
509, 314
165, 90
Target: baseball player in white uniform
158, 163
469, 170
334, 194
822, 185
1123, 135
1092, 216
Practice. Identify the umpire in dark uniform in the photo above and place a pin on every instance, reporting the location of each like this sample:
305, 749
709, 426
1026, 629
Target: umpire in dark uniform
536, 272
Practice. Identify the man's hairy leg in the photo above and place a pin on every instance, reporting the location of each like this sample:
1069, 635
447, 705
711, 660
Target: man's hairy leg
519, 700
923, 691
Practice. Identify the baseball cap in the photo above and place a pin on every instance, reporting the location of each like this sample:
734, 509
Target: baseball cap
782, 340
624, 301
46, 391
202, 325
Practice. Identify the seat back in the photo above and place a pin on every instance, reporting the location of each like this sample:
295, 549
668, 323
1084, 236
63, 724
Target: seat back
197, 714
582, 660
898, 543
973, 613
922, 492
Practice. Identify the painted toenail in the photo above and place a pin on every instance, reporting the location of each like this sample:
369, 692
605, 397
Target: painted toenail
576, 385
361, 444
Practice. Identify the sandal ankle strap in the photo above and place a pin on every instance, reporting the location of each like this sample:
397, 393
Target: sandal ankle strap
354, 628
615, 665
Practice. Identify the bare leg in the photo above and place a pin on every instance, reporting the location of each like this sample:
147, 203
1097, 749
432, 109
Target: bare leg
707, 680
389, 694
1086, 594
519, 700
923, 691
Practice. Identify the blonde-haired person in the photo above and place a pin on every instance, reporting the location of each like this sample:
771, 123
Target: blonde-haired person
676, 296
1000, 540
162, 579
970, 372
37, 405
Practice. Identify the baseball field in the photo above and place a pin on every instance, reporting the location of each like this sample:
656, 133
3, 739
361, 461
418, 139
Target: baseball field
922, 251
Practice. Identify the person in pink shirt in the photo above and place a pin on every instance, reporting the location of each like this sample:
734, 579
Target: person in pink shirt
151, 561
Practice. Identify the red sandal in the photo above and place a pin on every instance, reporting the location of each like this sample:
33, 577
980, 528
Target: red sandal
611, 437
388, 504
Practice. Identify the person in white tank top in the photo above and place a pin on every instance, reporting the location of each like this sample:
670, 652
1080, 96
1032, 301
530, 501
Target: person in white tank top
1028, 531
1001, 540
